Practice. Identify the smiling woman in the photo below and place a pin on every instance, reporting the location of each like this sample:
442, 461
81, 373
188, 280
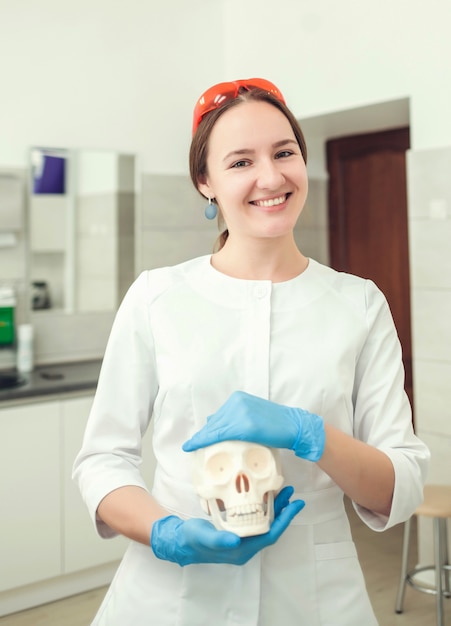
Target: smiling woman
239, 92
255, 343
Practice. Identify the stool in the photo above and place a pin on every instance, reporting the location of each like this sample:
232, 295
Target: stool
436, 504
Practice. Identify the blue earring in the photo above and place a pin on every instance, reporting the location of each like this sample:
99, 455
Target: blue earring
211, 210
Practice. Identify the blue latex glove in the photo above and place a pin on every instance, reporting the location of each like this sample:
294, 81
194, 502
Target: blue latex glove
197, 540
245, 417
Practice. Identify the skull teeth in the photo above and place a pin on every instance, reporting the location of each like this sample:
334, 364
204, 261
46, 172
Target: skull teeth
245, 514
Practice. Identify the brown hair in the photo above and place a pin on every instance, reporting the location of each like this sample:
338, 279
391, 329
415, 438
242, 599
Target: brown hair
199, 145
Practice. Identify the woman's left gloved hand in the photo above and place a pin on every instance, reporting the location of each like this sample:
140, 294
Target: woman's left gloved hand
193, 541
245, 417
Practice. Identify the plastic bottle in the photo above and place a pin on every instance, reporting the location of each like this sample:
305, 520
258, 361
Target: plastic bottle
25, 348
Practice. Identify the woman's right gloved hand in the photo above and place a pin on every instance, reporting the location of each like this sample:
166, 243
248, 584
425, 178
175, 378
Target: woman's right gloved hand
245, 417
191, 541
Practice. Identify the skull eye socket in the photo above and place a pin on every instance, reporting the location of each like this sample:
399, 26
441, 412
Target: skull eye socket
259, 461
220, 467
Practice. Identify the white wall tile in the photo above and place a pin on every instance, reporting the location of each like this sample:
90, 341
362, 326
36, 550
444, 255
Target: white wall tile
161, 248
12, 260
431, 327
59, 337
171, 202
96, 214
12, 196
314, 214
97, 257
311, 232
430, 253
96, 172
172, 227
97, 294
313, 242
440, 466
12, 214
428, 180
432, 382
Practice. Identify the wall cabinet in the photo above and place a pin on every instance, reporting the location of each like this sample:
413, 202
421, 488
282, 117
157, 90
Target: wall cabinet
46, 534
30, 495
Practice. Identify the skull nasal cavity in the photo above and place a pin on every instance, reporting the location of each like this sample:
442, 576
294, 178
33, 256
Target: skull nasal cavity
242, 483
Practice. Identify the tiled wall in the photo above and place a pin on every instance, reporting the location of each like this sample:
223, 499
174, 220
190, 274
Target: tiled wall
61, 337
171, 227
429, 190
95, 276
105, 249
311, 231
105, 217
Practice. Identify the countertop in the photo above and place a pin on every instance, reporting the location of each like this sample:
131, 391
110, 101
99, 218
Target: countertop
53, 379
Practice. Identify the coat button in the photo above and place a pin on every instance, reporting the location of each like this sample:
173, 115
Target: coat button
261, 291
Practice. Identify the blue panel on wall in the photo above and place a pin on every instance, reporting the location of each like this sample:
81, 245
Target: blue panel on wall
50, 177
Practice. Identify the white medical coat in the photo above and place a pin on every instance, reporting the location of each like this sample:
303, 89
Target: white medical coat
183, 340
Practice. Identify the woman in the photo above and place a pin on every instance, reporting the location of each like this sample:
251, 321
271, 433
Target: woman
276, 349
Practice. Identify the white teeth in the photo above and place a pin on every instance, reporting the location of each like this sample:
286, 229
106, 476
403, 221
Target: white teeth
271, 202
245, 514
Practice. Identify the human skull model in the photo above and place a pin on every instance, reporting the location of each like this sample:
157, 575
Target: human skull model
236, 482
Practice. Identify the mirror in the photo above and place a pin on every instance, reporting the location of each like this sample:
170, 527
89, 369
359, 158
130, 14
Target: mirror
81, 228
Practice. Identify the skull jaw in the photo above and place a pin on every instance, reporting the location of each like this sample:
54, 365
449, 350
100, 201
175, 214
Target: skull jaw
243, 524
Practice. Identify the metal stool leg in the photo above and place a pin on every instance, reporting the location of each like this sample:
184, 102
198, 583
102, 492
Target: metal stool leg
439, 533
446, 584
404, 562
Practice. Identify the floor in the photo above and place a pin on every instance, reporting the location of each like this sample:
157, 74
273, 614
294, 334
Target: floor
380, 556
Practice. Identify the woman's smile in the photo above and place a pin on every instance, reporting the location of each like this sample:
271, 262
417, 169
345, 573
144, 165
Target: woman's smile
272, 204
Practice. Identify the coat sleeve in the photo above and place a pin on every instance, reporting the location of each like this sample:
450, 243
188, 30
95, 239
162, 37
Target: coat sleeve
382, 412
111, 451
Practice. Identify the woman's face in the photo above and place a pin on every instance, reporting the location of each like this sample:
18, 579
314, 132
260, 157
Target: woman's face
256, 172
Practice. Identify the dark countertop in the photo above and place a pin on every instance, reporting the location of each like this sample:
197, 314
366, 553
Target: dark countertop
53, 379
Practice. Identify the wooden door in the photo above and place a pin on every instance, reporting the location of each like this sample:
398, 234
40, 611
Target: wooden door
368, 219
